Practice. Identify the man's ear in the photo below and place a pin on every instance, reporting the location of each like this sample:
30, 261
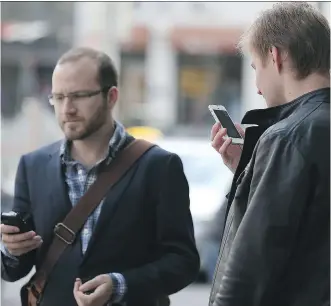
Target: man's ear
278, 57
112, 96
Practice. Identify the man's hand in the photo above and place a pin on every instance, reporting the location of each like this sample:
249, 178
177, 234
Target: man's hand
230, 153
19, 244
101, 286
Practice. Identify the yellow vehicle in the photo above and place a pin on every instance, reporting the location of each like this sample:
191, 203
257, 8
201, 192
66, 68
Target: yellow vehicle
145, 132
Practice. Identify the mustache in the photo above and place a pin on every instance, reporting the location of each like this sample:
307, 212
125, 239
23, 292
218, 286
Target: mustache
72, 119
67, 116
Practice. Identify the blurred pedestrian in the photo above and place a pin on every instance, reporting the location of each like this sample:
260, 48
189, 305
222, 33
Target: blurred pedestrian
275, 249
137, 246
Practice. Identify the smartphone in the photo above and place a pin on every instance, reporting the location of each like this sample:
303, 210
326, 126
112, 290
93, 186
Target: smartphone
21, 220
221, 115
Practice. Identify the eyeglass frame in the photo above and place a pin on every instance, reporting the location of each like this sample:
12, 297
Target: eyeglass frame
79, 94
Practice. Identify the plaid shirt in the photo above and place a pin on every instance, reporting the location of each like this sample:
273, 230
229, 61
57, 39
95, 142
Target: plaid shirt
79, 179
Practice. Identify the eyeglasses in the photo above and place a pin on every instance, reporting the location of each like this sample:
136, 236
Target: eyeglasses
78, 96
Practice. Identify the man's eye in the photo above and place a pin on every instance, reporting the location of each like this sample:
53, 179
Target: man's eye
79, 95
58, 97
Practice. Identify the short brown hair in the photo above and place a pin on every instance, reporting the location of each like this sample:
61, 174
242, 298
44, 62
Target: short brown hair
107, 75
296, 28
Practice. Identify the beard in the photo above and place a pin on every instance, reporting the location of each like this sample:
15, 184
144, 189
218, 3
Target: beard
81, 130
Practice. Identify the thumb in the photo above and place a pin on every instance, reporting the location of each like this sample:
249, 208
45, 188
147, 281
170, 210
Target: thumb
240, 130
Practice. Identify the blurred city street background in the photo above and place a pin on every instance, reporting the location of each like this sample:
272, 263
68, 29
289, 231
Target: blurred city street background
173, 58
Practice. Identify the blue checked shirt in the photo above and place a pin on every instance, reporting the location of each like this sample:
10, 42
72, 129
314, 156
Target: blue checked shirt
79, 179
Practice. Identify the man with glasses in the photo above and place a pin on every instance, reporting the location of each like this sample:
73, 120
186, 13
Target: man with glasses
137, 247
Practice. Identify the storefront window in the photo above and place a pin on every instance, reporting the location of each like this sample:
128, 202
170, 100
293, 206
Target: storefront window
132, 84
205, 80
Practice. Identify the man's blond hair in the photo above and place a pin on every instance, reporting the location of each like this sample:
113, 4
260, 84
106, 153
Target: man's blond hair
296, 29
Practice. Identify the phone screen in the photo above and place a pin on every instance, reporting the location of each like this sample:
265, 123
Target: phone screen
227, 123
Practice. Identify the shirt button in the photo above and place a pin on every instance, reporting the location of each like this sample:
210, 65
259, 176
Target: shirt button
85, 231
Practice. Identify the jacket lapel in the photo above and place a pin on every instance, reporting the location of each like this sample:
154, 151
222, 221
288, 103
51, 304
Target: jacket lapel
109, 208
55, 203
58, 191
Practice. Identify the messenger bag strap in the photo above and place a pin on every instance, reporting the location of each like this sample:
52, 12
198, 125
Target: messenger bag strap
66, 231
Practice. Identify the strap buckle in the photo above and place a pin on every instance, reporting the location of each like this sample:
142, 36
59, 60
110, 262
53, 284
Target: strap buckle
64, 233
35, 292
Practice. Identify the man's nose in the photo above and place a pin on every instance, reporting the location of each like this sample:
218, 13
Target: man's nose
68, 107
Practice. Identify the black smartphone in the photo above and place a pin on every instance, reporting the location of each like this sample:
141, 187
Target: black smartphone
21, 220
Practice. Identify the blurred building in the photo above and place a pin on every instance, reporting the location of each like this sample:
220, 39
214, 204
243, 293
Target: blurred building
33, 35
175, 58
181, 57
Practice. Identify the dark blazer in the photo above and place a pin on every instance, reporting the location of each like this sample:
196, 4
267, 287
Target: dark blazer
144, 231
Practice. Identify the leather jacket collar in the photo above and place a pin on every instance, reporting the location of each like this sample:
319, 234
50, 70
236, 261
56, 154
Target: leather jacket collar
270, 116
265, 118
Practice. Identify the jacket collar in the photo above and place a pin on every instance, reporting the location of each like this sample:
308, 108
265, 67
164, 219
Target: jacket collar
264, 118
270, 116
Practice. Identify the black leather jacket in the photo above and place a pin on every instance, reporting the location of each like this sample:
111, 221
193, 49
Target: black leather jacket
275, 249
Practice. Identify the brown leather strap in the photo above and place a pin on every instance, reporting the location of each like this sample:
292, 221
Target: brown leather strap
65, 232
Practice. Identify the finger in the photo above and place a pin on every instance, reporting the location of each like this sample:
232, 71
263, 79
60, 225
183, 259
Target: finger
91, 284
219, 139
77, 284
101, 291
8, 229
240, 130
80, 297
216, 127
106, 285
100, 296
34, 242
20, 252
225, 146
10, 238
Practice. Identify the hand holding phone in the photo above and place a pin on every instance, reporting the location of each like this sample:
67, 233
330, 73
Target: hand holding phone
230, 152
17, 234
221, 116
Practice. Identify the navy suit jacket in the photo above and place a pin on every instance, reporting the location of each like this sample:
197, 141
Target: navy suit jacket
144, 231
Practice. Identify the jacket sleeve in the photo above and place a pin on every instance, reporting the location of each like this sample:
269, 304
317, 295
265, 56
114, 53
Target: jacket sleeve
178, 264
11, 271
277, 198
